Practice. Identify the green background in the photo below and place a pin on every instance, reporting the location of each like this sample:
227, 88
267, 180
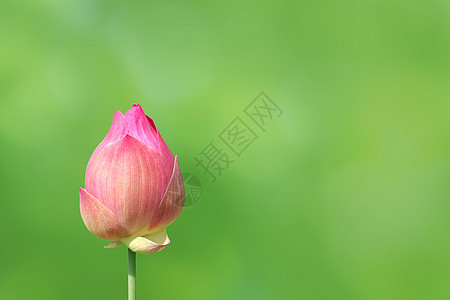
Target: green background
345, 196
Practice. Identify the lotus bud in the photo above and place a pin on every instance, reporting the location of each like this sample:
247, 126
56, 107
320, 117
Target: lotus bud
133, 185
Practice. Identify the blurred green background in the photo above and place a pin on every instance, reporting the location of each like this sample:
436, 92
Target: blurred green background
345, 196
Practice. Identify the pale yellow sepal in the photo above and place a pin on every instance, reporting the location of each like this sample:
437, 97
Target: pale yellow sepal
149, 243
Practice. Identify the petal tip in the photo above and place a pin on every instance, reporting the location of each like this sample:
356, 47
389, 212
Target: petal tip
136, 108
118, 113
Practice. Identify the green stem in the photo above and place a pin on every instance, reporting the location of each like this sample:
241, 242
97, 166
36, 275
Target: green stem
131, 275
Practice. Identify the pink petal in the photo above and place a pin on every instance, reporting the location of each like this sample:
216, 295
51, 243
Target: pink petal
129, 178
100, 221
173, 201
142, 127
118, 129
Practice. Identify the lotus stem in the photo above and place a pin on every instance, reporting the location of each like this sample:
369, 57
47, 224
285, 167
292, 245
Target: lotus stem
131, 275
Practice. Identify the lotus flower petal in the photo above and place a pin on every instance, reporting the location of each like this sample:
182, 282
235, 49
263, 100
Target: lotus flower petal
149, 243
127, 177
119, 129
142, 127
100, 221
173, 201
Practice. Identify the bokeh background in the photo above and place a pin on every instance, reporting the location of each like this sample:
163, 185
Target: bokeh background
345, 196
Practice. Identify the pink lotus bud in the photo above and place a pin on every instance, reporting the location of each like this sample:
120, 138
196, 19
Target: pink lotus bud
134, 188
